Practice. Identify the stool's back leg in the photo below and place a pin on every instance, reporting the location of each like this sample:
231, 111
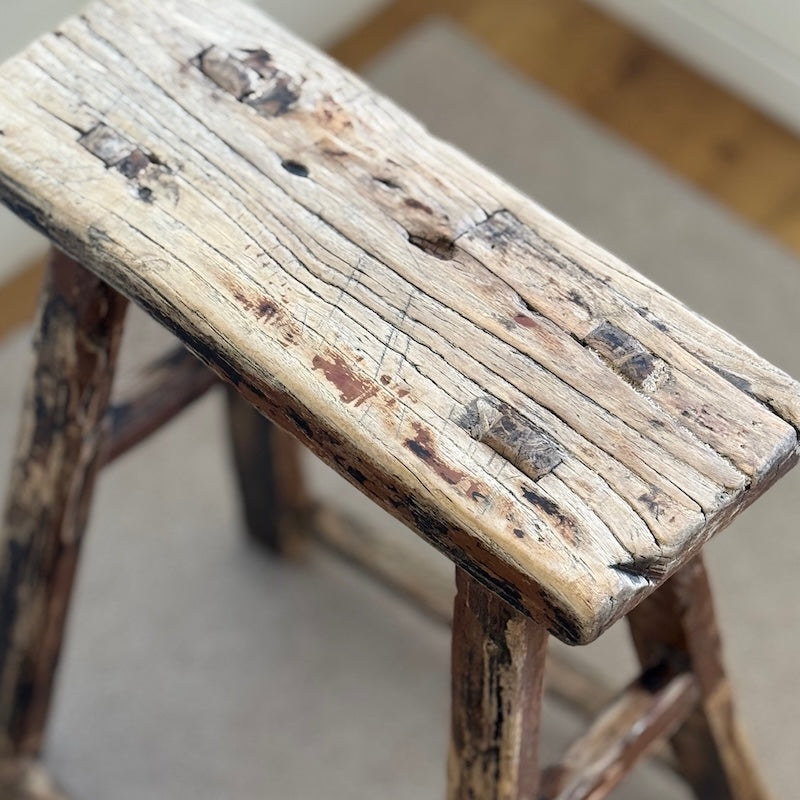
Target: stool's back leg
267, 462
677, 626
498, 659
79, 330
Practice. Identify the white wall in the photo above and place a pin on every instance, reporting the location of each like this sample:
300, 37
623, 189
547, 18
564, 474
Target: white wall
752, 46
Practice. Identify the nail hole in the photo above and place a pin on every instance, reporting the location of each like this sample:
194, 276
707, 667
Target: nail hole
440, 247
387, 182
295, 167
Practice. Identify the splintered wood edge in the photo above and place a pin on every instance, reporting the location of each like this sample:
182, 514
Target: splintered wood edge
587, 574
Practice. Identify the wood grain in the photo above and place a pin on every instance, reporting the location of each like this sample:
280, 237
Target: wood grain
57, 456
715, 140
364, 285
675, 628
498, 661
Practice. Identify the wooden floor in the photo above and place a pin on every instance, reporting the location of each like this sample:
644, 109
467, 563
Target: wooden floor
693, 127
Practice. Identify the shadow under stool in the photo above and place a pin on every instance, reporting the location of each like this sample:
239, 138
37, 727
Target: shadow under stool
566, 432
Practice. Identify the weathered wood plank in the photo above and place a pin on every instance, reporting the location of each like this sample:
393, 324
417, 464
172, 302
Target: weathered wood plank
365, 286
676, 626
498, 661
597, 762
57, 457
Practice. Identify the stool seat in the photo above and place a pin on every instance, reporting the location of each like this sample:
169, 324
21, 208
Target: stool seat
563, 429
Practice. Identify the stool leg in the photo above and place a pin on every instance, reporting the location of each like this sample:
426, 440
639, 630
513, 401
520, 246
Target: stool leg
267, 463
677, 626
498, 658
79, 329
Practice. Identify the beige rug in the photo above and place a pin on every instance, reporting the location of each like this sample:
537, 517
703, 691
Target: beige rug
197, 668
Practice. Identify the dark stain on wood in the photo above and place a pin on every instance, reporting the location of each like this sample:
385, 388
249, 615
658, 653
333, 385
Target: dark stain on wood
650, 500
477, 492
422, 447
565, 524
511, 436
264, 308
519, 533
424, 521
525, 321
740, 383
356, 474
577, 298
267, 309
412, 203
352, 388
299, 423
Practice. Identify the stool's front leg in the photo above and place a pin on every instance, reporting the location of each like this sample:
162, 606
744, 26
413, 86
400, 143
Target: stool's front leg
498, 667
676, 627
79, 330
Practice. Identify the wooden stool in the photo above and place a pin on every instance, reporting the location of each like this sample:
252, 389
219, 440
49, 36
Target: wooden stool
565, 431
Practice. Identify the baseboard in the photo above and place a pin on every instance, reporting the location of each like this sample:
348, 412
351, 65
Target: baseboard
757, 60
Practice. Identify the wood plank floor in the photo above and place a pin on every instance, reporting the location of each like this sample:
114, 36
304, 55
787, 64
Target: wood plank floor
696, 129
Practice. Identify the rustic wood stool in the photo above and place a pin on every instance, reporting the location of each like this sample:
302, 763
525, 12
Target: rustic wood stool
565, 431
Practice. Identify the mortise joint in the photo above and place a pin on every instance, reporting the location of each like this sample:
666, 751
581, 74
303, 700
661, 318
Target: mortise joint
134, 163
628, 357
512, 436
251, 77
